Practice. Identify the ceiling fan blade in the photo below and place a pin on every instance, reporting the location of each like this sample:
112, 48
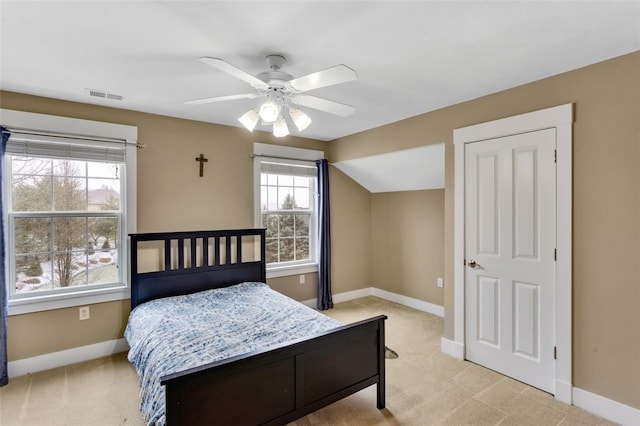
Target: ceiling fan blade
234, 71
334, 75
323, 105
221, 98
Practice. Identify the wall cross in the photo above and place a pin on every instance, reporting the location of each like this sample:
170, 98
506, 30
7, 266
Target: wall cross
202, 160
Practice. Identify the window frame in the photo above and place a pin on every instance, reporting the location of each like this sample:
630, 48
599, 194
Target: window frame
312, 212
294, 156
49, 124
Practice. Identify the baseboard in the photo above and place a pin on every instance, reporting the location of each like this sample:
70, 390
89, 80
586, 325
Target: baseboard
606, 408
410, 302
452, 348
70, 356
341, 297
420, 305
351, 295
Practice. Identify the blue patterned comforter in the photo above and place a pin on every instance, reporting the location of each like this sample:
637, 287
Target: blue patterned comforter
176, 333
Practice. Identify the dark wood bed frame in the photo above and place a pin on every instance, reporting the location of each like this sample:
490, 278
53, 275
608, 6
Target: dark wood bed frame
271, 386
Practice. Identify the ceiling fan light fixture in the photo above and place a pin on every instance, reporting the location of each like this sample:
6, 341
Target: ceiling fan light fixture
300, 119
281, 91
280, 128
249, 119
269, 111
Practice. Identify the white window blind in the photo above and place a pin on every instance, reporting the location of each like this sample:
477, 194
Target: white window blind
61, 146
288, 169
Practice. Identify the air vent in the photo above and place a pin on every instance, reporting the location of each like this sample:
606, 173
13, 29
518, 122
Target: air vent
114, 97
104, 95
97, 93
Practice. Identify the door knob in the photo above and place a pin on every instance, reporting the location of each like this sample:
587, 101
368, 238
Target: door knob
472, 264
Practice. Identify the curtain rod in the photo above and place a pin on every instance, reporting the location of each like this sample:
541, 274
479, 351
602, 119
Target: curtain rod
70, 136
281, 158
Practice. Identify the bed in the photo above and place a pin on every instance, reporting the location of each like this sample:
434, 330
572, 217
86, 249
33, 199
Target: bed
308, 360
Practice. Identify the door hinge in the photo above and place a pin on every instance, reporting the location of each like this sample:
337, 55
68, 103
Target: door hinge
555, 255
555, 352
555, 155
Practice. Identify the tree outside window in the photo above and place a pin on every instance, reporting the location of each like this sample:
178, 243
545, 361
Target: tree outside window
66, 218
287, 210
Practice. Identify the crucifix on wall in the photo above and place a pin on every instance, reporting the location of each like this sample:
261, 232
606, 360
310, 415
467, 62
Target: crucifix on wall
202, 160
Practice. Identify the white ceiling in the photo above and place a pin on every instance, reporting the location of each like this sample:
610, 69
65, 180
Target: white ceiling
410, 57
407, 170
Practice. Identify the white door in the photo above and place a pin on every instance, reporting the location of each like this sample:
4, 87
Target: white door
510, 210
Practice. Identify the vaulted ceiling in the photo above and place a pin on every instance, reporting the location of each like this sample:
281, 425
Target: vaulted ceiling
410, 57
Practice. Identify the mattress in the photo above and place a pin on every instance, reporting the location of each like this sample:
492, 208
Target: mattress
173, 334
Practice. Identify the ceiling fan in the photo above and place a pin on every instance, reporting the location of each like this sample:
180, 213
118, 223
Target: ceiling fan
283, 93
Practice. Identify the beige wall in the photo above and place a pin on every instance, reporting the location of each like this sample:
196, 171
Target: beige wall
407, 243
606, 203
290, 285
52, 331
350, 233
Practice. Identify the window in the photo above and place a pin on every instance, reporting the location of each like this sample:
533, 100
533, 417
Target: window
286, 208
66, 208
65, 223
287, 200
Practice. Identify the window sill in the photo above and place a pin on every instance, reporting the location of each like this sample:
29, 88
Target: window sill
285, 271
68, 300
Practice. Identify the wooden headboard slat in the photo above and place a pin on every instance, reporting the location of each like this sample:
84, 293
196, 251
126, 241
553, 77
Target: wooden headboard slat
216, 261
167, 255
194, 258
180, 253
238, 248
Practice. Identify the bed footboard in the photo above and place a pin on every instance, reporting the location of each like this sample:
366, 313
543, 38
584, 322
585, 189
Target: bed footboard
281, 384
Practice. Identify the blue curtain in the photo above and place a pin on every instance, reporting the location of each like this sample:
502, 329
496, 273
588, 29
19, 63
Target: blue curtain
324, 235
4, 373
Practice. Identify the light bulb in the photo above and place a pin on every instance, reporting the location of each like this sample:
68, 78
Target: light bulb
280, 128
269, 111
249, 119
300, 119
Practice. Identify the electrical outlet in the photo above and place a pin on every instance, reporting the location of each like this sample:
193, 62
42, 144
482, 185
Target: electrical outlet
439, 282
301, 279
85, 313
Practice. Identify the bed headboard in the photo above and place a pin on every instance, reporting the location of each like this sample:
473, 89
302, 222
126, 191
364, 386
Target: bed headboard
173, 263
